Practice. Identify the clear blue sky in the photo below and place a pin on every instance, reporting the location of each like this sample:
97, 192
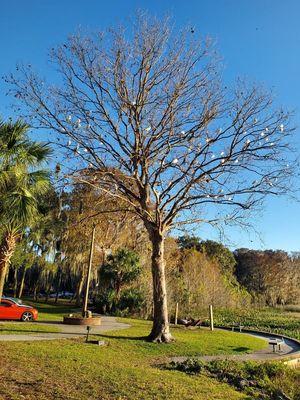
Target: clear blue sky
258, 39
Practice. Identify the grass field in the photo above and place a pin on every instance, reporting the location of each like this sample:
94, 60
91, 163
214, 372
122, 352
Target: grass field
273, 320
16, 328
127, 368
51, 311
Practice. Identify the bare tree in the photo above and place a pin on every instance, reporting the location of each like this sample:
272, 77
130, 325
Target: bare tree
147, 112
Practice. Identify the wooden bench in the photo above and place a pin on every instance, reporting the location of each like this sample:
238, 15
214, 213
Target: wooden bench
238, 327
276, 342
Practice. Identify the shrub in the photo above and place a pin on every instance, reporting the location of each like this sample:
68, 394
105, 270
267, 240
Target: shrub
272, 380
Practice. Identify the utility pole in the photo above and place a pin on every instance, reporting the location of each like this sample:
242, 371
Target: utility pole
86, 296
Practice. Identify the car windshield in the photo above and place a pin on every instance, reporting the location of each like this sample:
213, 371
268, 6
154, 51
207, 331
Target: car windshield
15, 300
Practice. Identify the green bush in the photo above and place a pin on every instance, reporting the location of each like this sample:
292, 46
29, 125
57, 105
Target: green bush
131, 302
270, 381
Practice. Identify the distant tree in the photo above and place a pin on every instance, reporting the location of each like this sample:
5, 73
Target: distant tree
21, 261
21, 186
214, 250
271, 276
220, 253
84, 206
121, 268
188, 242
147, 113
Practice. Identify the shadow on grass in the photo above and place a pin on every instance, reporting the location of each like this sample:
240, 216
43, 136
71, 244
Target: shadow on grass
142, 338
240, 349
49, 322
9, 331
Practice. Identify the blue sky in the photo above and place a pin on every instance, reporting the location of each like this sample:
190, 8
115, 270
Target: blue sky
258, 39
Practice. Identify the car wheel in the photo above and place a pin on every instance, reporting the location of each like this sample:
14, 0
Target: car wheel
27, 316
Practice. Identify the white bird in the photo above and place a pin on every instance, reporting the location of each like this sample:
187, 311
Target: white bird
281, 128
213, 156
175, 161
222, 153
182, 132
69, 143
262, 134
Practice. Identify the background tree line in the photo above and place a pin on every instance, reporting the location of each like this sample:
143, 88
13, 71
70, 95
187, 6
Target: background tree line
51, 258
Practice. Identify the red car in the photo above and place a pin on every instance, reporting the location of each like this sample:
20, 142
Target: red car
13, 309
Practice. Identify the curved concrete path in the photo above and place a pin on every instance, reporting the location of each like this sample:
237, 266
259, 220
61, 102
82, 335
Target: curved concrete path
66, 331
289, 350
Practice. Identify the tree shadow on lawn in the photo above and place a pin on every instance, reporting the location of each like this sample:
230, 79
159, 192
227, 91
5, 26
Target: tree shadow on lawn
9, 331
142, 338
240, 349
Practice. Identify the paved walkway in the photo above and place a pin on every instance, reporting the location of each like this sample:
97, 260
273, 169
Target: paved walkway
66, 331
290, 349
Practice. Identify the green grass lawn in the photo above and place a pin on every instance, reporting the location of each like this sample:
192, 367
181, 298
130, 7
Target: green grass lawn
15, 328
51, 311
127, 368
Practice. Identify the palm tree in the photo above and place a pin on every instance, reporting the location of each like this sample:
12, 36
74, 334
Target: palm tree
21, 186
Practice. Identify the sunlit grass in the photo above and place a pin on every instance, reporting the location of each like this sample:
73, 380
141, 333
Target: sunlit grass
15, 328
127, 368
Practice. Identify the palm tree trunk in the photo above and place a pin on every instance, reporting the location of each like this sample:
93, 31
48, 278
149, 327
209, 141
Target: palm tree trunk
16, 281
160, 329
21, 287
7, 249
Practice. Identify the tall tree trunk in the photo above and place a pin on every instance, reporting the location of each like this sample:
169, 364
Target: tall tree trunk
58, 284
21, 287
16, 281
7, 249
79, 289
160, 329
36, 289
